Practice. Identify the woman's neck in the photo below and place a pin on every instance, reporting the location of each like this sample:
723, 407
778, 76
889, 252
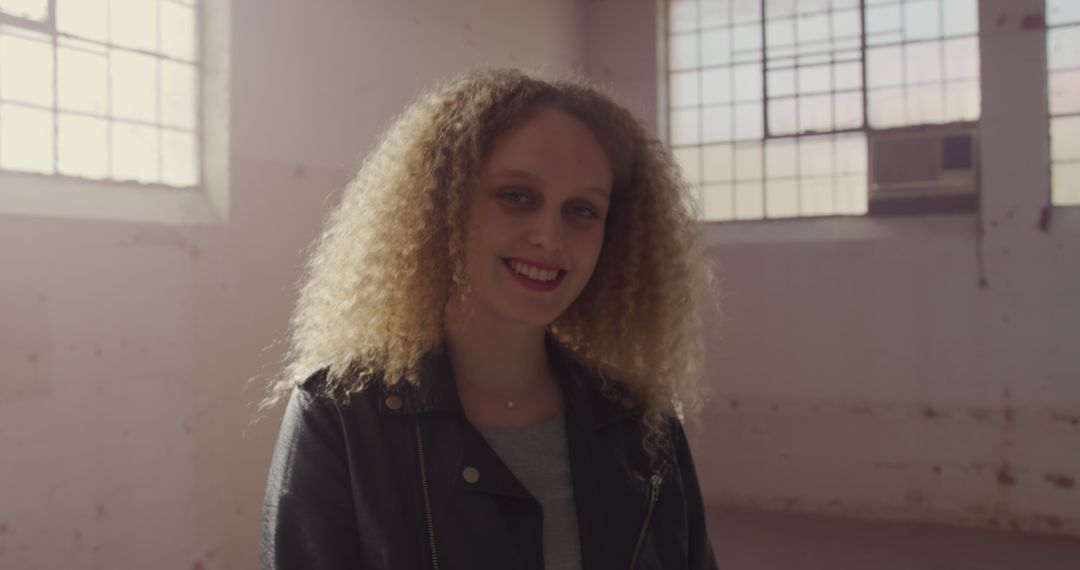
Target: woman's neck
502, 372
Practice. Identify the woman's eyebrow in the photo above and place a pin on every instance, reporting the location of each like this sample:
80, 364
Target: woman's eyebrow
526, 175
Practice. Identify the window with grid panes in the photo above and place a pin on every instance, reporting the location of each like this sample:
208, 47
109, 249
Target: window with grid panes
100, 90
770, 100
1063, 90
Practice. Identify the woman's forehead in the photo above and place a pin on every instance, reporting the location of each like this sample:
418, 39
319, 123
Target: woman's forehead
550, 144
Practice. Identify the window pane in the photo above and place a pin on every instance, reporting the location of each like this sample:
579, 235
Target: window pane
683, 52
886, 107
748, 161
851, 194
746, 10
921, 20
82, 78
923, 62
850, 153
781, 198
718, 165
178, 31
781, 83
780, 32
179, 158
684, 126
1064, 87
689, 160
82, 147
817, 195
779, 8
133, 23
685, 88
719, 202
846, 24
716, 85
83, 18
815, 113
29, 9
815, 79
816, 156
26, 67
134, 77
749, 201
883, 67
749, 121
1066, 183
963, 100
26, 139
813, 28
1063, 47
715, 47
134, 152
717, 125
715, 13
883, 23
746, 43
847, 76
1062, 11
782, 158
925, 104
962, 58
747, 82
782, 116
179, 87
848, 110
1065, 138
682, 15
961, 17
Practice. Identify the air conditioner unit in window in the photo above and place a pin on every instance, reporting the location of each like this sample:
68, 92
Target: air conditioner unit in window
929, 168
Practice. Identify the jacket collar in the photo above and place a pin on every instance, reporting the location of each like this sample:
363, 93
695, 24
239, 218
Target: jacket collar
437, 391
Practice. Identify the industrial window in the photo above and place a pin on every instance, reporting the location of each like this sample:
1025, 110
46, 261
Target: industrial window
1063, 79
102, 107
100, 89
770, 102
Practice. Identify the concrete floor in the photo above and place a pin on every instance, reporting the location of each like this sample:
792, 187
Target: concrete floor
760, 540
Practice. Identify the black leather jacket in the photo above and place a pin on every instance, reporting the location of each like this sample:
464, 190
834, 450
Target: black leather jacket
378, 484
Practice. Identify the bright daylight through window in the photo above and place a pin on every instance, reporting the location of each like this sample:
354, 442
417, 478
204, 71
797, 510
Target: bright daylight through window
101, 90
1063, 89
771, 101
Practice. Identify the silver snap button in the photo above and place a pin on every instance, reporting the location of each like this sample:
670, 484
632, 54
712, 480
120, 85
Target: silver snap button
393, 402
471, 474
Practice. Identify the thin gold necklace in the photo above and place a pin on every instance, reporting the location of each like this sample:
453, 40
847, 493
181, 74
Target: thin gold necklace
508, 402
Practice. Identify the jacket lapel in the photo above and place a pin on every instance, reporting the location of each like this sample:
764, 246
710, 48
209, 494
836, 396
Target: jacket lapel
610, 500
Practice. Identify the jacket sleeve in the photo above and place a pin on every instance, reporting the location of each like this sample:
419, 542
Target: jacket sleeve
701, 556
307, 520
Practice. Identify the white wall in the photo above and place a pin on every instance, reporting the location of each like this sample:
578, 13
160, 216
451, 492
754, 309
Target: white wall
921, 368
126, 349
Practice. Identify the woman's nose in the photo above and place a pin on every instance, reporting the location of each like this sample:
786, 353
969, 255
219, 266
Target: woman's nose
547, 231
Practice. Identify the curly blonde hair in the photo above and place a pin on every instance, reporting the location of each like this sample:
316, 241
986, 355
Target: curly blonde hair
391, 254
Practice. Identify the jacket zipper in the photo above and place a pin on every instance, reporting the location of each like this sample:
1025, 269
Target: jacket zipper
655, 481
427, 497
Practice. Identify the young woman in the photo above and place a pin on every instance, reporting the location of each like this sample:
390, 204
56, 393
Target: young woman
496, 335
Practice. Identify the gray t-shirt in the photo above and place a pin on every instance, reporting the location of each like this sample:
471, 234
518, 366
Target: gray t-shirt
538, 456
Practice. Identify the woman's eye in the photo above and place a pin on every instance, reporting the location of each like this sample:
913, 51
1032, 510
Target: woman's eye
585, 212
515, 196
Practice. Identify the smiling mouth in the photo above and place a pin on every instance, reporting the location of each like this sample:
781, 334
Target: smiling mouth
541, 276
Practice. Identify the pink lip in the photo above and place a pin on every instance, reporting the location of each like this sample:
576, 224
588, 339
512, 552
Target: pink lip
534, 285
535, 263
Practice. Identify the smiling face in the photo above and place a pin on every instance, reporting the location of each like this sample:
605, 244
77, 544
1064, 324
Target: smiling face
538, 208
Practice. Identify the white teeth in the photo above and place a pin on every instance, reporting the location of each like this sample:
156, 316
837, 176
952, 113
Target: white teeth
534, 273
